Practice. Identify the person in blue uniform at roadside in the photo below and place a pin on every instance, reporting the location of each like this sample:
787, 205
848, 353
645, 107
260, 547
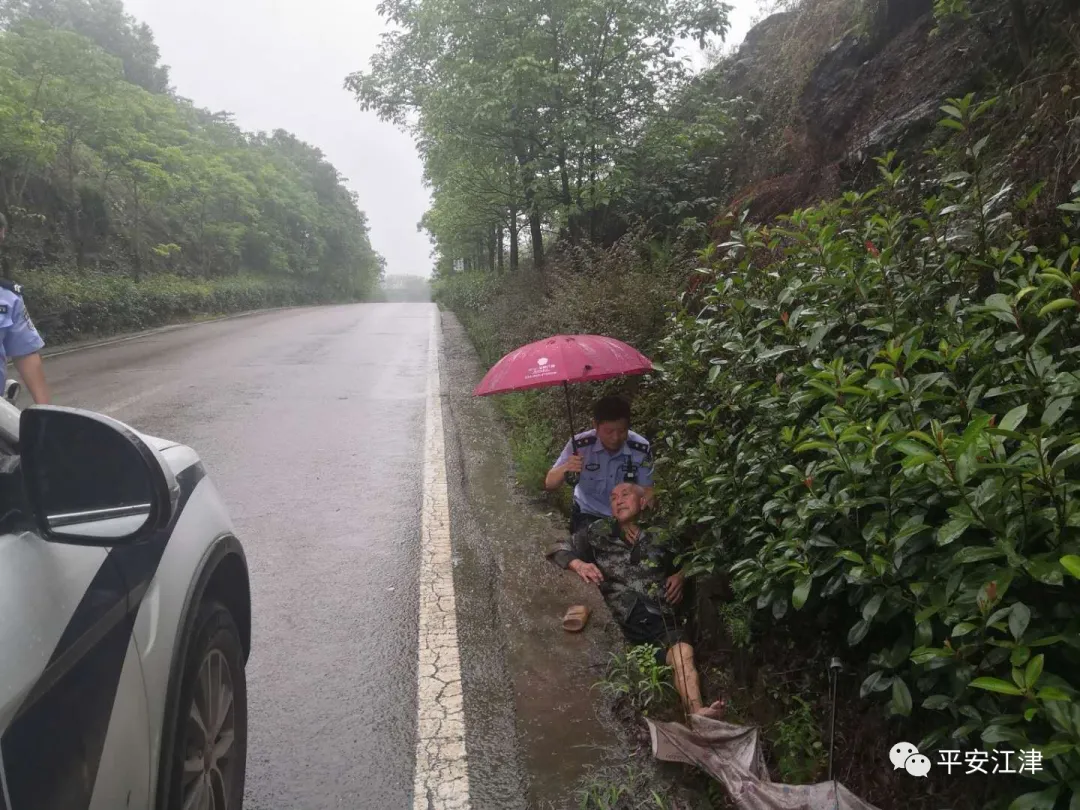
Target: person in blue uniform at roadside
606, 456
19, 340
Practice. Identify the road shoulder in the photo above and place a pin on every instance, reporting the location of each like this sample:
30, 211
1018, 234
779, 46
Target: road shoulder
510, 604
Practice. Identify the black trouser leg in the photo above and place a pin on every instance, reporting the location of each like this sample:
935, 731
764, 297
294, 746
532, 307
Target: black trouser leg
579, 519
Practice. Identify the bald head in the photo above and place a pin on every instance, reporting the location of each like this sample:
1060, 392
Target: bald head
627, 501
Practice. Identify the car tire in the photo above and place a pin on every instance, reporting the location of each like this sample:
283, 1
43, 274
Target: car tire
210, 748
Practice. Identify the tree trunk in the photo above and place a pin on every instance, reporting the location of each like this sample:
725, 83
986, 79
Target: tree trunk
532, 206
537, 232
491, 252
514, 236
592, 192
573, 225
499, 249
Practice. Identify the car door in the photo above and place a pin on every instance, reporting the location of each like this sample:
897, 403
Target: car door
72, 703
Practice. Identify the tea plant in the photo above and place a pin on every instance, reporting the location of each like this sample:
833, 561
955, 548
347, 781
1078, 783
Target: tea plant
796, 741
873, 408
736, 618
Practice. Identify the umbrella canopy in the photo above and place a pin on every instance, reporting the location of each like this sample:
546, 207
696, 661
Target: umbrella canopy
562, 359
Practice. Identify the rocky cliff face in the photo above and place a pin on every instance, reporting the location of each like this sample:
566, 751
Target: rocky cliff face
878, 83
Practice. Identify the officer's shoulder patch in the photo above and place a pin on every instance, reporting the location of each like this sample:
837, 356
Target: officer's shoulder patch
11, 286
585, 441
634, 444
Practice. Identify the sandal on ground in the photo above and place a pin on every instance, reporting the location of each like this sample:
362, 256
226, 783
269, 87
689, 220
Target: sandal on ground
575, 619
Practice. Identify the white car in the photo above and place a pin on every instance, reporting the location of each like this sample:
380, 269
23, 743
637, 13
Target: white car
125, 621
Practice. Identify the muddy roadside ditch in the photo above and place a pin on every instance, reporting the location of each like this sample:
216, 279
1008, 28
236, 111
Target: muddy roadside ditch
566, 737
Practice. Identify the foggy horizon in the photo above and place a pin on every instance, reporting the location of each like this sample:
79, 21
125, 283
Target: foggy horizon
281, 64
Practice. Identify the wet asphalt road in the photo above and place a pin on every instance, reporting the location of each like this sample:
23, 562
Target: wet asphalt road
311, 424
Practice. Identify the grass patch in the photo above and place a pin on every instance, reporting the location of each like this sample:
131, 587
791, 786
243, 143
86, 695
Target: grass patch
635, 675
628, 788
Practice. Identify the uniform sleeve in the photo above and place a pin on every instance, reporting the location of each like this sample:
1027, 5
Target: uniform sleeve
575, 547
22, 338
564, 456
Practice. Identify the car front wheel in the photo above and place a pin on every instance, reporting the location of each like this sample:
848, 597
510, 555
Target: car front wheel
211, 745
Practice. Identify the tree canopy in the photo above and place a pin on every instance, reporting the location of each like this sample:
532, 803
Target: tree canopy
103, 168
525, 113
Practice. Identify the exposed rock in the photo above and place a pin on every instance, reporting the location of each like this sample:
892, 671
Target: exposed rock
761, 34
834, 95
895, 131
753, 55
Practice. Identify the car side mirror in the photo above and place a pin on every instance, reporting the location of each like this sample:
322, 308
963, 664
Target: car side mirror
91, 480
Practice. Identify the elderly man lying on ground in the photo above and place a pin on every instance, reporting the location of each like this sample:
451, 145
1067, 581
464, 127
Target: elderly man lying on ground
639, 583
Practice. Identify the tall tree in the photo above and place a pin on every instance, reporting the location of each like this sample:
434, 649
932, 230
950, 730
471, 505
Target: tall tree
556, 89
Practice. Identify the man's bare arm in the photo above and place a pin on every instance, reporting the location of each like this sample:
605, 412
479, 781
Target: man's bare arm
556, 476
32, 370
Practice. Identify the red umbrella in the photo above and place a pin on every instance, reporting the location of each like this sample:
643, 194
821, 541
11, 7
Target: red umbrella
561, 360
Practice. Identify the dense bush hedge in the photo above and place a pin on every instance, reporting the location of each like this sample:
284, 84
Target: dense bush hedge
69, 306
872, 410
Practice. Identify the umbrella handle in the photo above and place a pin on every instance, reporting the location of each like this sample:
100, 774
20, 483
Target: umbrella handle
571, 478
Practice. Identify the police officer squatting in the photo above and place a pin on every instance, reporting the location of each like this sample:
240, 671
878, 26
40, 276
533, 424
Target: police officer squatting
19, 339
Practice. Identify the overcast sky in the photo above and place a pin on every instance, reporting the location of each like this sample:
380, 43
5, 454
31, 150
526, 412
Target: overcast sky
281, 64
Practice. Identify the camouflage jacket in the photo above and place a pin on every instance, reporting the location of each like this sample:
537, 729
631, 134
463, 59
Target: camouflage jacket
632, 573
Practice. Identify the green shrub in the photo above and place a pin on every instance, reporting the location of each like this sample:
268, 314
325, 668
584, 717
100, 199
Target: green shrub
66, 306
801, 757
872, 411
737, 617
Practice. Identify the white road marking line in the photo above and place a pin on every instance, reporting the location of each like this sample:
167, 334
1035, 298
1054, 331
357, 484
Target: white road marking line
120, 405
442, 776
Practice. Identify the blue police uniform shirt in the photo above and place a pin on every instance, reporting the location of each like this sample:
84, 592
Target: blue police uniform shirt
602, 471
18, 337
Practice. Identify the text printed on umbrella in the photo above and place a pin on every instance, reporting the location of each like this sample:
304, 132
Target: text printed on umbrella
543, 368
